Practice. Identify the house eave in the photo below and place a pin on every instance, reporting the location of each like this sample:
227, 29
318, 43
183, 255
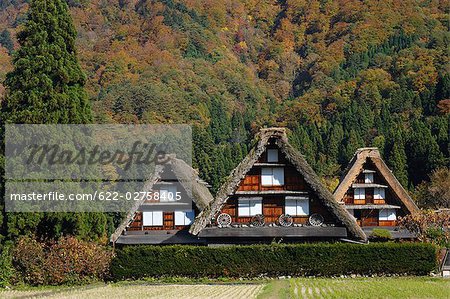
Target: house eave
274, 232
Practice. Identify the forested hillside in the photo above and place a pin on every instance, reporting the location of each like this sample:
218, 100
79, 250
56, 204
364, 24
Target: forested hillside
340, 74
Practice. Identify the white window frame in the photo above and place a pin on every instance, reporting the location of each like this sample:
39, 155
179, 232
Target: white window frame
168, 193
184, 217
368, 178
272, 176
272, 155
152, 218
296, 206
387, 215
379, 193
249, 207
360, 193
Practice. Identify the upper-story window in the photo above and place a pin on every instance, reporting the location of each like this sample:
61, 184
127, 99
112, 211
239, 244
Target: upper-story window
184, 217
297, 206
272, 176
249, 207
168, 193
379, 193
368, 178
360, 193
272, 155
154, 218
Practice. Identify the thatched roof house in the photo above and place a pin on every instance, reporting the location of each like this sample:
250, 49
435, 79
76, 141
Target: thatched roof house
372, 194
277, 138
372, 155
193, 186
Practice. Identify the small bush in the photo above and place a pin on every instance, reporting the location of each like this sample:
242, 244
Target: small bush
29, 261
6, 267
67, 261
320, 259
380, 234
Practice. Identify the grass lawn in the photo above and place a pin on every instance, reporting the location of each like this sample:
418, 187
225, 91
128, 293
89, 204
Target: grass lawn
403, 287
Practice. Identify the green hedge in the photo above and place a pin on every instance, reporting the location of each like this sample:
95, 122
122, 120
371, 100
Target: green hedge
273, 260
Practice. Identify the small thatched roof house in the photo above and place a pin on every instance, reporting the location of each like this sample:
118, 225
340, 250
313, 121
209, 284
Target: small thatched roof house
274, 193
371, 192
153, 223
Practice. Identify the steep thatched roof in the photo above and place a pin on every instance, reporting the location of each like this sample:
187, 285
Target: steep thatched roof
185, 175
232, 182
355, 167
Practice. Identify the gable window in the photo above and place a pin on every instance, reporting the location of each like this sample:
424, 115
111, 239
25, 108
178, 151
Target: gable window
184, 217
168, 193
249, 207
387, 214
379, 193
272, 176
297, 206
360, 193
368, 178
272, 155
154, 218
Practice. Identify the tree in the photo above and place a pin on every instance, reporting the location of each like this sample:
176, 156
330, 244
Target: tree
397, 160
303, 143
6, 41
423, 152
436, 193
46, 85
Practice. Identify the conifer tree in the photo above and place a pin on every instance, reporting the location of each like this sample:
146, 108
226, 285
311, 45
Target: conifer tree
397, 159
46, 85
423, 152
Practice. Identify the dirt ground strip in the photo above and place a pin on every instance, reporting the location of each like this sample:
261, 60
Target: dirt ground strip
144, 291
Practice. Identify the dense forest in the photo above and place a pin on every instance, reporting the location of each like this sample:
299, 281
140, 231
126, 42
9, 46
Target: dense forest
339, 74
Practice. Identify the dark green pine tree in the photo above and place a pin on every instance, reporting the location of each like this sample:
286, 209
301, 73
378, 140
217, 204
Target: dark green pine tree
46, 85
304, 144
334, 142
423, 152
353, 142
397, 159
203, 144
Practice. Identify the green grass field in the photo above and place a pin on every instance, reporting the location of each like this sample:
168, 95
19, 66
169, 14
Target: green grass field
380, 287
403, 287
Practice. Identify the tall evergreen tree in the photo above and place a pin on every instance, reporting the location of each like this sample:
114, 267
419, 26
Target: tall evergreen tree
46, 85
423, 152
334, 142
397, 159
304, 144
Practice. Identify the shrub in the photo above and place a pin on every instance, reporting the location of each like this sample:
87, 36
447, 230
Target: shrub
67, 261
6, 268
429, 226
273, 260
29, 260
381, 234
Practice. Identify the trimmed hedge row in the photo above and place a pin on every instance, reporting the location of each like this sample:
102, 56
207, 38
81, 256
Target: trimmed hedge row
272, 260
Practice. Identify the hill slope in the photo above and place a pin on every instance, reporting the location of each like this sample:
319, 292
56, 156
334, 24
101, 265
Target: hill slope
340, 74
